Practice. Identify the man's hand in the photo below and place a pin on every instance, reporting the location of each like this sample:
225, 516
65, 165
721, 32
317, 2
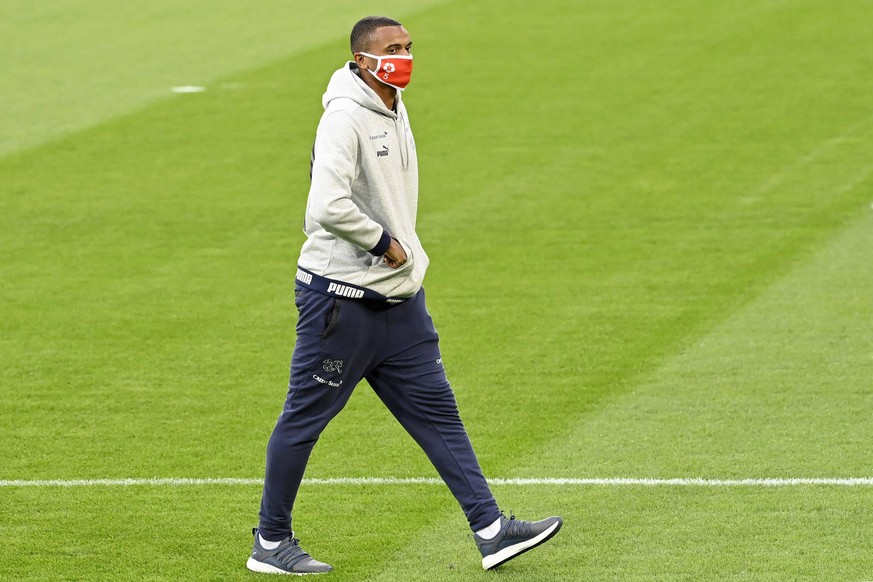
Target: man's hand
395, 256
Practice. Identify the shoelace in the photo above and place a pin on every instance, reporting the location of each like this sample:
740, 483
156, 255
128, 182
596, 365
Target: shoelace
517, 527
292, 553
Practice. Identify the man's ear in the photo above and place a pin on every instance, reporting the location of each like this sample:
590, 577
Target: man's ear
361, 61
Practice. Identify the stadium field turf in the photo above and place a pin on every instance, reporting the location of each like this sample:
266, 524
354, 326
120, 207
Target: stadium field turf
650, 231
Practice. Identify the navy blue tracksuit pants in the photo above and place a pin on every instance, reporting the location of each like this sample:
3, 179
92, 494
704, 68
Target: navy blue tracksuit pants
395, 347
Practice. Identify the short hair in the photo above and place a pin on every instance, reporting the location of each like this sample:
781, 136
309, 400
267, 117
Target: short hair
363, 30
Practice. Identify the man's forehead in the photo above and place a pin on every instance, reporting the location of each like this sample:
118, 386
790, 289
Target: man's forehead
386, 36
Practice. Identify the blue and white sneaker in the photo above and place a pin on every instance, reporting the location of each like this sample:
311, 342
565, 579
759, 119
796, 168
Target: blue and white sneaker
287, 558
515, 538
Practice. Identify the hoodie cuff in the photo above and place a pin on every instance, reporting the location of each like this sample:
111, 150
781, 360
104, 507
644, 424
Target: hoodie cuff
382, 245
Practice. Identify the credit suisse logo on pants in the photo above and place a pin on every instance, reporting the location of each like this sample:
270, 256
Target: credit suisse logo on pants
330, 365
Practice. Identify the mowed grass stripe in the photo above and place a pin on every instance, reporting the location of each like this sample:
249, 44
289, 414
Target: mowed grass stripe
638, 533
650, 227
783, 383
494, 481
109, 59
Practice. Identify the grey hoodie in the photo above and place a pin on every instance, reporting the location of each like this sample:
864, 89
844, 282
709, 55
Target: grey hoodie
364, 191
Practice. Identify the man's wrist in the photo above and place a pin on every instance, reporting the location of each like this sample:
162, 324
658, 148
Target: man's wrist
382, 245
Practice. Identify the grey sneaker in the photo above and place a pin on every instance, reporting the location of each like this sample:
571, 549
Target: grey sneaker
515, 538
288, 558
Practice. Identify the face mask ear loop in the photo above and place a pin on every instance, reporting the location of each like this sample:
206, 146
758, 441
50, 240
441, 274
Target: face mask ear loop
378, 63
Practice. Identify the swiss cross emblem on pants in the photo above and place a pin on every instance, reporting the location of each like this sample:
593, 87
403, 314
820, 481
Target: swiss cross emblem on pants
333, 366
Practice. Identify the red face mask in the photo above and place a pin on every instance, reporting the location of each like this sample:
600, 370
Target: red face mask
393, 70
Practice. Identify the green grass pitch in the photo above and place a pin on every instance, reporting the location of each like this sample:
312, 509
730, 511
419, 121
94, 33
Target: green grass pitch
650, 227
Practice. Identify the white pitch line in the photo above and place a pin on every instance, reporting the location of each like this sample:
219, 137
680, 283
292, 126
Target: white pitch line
520, 482
188, 89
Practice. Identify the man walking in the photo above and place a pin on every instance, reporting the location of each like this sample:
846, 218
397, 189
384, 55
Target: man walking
362, 309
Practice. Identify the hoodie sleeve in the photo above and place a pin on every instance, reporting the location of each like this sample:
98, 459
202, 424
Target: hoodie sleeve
334, 168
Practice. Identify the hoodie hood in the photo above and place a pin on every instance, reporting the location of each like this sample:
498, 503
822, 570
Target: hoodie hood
346, 83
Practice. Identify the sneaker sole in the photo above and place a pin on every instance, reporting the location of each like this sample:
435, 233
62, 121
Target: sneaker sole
507, 554
256, 566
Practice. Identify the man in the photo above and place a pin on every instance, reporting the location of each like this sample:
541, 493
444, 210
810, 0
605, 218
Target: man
362, 308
